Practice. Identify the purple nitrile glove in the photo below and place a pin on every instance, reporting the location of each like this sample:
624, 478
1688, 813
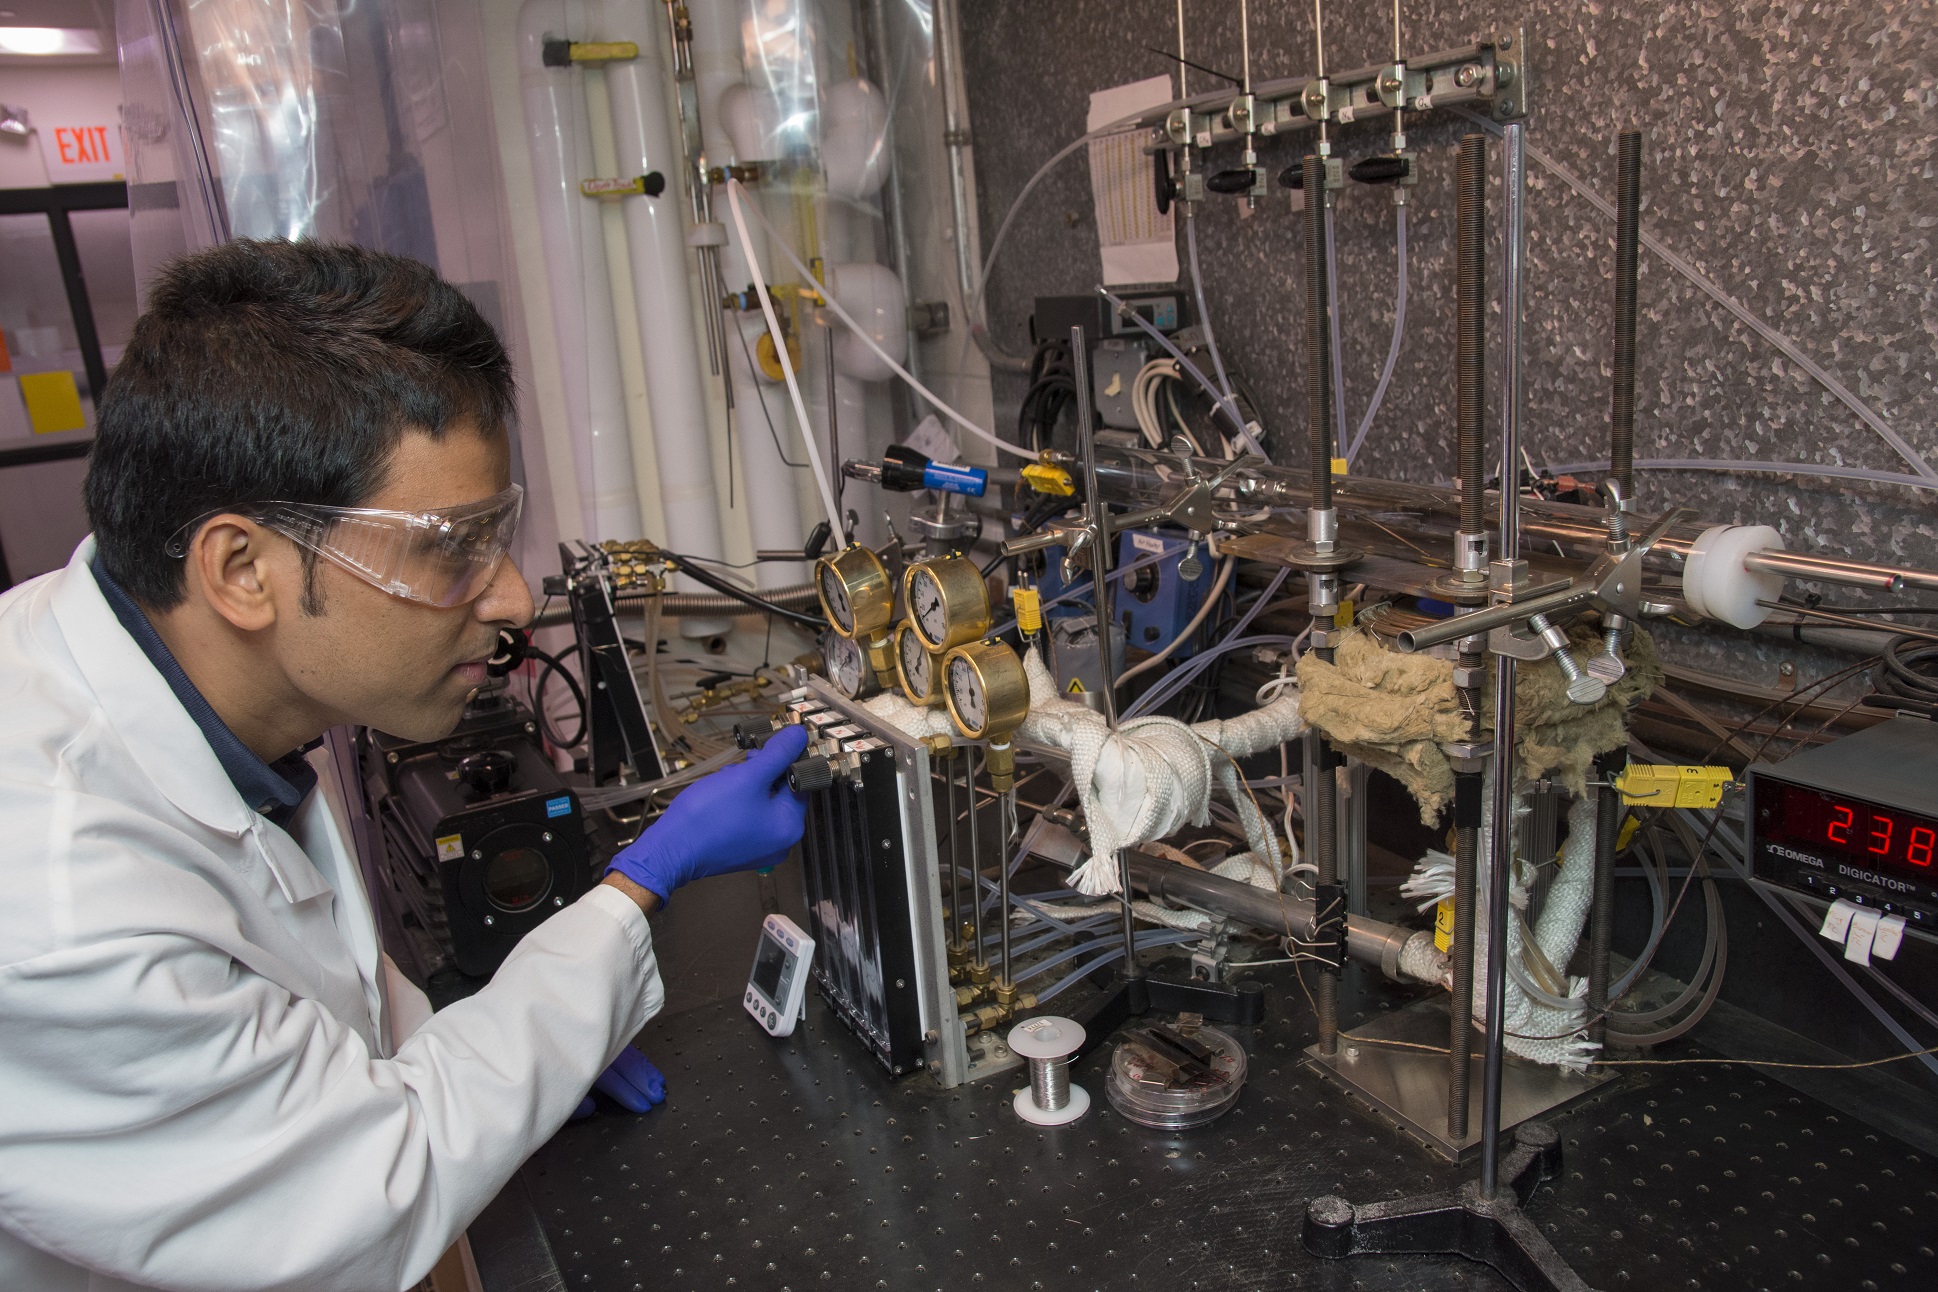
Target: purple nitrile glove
631, 1081
742, 817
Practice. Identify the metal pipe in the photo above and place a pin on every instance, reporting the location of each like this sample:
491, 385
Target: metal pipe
1499, 616
1318, 382
979, 960
1430, 514
955, 851
1628, 230
1322, 846
1005, 813
1851, 574
955, 135
1098, 514
1501, 838
1369, 941
673, 605
1470, 333
1460, 1005
1601, 911
1513, 300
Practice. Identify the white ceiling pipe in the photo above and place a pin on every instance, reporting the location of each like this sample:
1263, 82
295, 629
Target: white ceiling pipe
644, 140
560, 146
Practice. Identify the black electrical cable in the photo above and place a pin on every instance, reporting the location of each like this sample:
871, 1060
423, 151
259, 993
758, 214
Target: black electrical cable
1908, 670
703, 575
554, 665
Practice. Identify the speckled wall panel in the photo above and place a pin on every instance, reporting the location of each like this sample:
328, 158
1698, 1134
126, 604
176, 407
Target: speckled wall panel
1789, 154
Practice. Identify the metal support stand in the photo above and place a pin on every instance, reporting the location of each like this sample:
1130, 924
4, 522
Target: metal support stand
1601, 914
1133, 993
1489, 1228
1481, 1220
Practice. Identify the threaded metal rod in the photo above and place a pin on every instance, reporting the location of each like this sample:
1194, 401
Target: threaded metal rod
1318, 334
1628, 231
1601, 914
1460, 1031
1050, 1083
1470, 329
1322, 844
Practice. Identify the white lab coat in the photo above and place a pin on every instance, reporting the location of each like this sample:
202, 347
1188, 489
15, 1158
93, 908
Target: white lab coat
198, 1083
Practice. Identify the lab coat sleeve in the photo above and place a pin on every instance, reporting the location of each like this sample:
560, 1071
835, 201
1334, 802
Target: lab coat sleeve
178, 1121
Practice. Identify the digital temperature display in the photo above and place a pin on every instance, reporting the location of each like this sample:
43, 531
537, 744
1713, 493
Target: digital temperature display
1855, 819
1836, 845
1862, 832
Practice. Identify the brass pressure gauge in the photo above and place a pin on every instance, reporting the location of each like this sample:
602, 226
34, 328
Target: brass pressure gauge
948, 603
989, 696
919, 668
846, 665
856, 593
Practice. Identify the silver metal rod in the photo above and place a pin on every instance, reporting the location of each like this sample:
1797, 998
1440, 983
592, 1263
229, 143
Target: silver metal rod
1514, 251
975, 857
955, 853
1184, 89
1098, 514
1501, 840
1500, 856
1850, 574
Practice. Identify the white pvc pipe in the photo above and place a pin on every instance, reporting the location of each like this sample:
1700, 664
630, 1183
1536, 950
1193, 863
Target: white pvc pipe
760, 408
559, 144
643, 140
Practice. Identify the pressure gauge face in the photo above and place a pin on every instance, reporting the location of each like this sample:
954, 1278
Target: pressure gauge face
917, 665
948, 603
987, 691
925, 603
834, 597
968, 701
846, 664
856, 594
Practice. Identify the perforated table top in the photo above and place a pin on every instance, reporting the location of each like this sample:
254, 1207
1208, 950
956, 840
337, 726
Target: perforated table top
796, 1164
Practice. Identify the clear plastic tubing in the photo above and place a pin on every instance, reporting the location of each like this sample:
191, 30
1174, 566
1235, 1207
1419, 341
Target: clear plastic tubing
1183, 674
1204, 315
1226, 404
1393, 350
1772, 468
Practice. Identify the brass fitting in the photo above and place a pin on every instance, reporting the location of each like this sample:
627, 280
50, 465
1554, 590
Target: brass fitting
979, 973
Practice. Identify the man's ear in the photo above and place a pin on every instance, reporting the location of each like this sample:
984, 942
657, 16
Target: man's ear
231, 566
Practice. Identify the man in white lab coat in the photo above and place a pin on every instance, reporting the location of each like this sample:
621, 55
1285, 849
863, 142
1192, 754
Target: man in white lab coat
210, 1075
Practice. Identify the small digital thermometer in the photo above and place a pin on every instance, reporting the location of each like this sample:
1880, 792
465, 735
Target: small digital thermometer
777, 988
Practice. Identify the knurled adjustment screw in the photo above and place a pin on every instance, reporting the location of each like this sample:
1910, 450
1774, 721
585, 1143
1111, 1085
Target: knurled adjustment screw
810, 774
1582, 688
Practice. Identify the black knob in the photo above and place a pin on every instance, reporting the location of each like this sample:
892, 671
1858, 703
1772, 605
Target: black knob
810, 774
1232, 181
1167, 188
1293, 176
751, 736
652, 183
1387, 168
488, 771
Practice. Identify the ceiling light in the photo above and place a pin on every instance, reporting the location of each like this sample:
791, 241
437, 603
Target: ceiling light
49, 40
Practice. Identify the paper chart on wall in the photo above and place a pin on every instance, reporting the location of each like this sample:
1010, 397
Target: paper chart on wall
1139, 245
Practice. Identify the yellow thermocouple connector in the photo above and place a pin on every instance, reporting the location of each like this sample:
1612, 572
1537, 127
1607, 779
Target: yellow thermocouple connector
1029, 610
1665, 785
1047, 477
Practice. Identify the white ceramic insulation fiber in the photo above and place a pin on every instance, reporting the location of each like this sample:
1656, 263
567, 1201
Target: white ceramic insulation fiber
1148, 779
1537, 1029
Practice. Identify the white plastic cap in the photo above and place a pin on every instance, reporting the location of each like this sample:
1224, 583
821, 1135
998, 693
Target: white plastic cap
1046, 1037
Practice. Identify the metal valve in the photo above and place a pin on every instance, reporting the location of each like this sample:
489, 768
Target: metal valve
1582, 687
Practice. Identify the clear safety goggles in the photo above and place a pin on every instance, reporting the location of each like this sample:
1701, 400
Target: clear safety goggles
444, 557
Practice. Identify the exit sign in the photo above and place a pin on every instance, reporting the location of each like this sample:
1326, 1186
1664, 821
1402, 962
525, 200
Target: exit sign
82, 152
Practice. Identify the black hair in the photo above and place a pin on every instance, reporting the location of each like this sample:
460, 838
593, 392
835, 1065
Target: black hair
264, 371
